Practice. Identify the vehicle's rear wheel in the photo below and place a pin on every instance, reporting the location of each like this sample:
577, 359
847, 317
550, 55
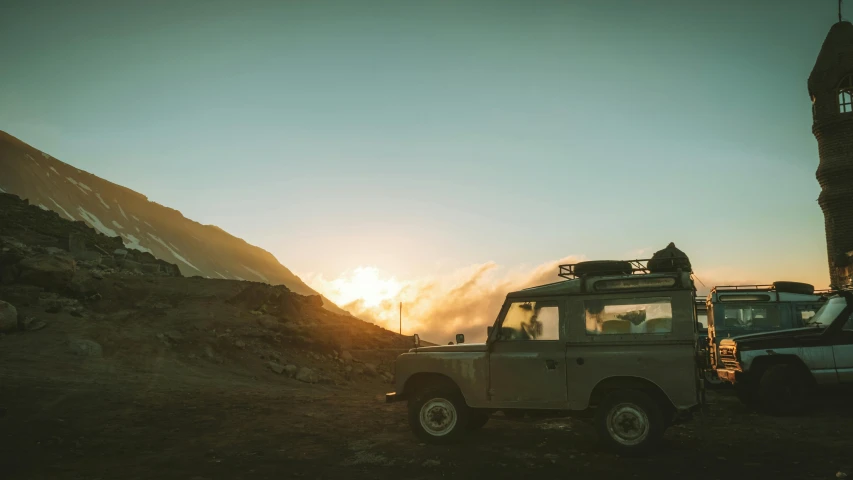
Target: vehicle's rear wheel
438, 415
630, 422
477, 419
784, 390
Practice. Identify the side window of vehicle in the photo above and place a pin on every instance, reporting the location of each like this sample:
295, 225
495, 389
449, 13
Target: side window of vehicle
805, 313
628, 316
752, 317
848, 325
531, 321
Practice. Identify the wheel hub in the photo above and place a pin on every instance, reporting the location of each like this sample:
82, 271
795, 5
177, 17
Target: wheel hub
628, 424
438, 416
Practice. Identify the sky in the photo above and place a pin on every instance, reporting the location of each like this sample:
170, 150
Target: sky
417, 142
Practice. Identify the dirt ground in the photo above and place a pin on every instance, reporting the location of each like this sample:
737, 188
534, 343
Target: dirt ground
93, 419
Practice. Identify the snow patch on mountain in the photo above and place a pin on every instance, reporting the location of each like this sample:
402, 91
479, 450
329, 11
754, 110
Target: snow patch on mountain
63, 210
79, 185
44, 208
118, 225
122, 211
133, 242
221, 275
135, 217
43, 155
174, 253
102, 201
257, 274
1, 190
54, 170
96, 223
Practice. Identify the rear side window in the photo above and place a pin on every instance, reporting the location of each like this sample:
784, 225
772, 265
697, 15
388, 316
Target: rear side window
629, 316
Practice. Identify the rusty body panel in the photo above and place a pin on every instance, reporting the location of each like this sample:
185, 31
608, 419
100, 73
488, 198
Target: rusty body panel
467, 368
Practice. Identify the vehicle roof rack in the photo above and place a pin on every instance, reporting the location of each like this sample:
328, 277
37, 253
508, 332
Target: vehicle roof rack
638, 267
751, 288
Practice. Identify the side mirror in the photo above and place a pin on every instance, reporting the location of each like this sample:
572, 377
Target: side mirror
460, 338
417, 341
489, 332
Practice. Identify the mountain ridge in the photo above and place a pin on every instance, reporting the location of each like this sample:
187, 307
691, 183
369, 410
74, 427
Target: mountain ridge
115, 210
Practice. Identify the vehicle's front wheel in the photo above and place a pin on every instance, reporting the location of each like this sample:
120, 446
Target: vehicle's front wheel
630, 422
783, 390
438, 415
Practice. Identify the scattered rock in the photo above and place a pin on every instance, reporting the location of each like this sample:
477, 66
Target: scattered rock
431, 463
291, 370
86, 348
54, 251
388, 377
370, 370
840, 475
31, 324
307, 375
8, 317
174, 336
53, 272
240, 344
348, 368
76, 313
275, 367
120, 252
346, 356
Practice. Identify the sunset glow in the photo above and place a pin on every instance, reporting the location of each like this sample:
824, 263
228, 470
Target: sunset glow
365, 284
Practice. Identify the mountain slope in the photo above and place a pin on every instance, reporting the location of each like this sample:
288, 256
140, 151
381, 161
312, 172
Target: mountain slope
116, 211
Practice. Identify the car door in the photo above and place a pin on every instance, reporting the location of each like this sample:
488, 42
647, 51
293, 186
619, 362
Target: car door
526, 362
842, 350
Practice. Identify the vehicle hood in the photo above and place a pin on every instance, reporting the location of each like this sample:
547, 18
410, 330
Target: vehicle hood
465, 347
778, 338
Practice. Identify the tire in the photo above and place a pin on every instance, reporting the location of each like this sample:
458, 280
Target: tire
603, 267
630, 422
438, 415
746, 393
794, 287
477, 419
784, 390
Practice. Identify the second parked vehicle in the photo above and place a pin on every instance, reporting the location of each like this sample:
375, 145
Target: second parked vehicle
778, 370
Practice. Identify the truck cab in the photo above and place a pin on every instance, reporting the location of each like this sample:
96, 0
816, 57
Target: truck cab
614, 339
749, 309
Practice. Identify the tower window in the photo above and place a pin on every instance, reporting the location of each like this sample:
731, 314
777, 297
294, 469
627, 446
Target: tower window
845, 95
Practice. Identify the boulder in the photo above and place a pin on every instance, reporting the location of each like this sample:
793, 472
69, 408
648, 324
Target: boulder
120, 252
370, 370
151, 268
275, 367
130, 265
8, 317
76, 244
86, 348
307, 375
291, 370
346, 356
53, 272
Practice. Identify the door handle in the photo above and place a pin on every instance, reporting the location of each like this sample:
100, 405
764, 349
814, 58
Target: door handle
550, 364
580, 360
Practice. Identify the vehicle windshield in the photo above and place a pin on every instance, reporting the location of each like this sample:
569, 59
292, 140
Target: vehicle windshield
827, 313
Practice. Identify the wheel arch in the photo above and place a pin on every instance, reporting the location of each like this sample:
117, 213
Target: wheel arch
421, 380
761, 364
611, 384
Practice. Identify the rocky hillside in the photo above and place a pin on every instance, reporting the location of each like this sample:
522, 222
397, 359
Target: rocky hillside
142, 225
67, 290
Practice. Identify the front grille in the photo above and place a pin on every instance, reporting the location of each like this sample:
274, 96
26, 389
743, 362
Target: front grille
728, 357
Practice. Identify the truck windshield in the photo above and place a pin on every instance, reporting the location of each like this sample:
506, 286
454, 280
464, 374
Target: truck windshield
828, 312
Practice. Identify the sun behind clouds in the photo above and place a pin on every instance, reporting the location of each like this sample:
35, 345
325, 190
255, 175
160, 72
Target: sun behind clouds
362, 283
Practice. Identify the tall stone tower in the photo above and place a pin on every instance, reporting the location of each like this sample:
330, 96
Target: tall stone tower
831, 90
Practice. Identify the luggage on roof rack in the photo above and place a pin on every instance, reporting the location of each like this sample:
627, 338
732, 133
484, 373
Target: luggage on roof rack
603, 267
670, 259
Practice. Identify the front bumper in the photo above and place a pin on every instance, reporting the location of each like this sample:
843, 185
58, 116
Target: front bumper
727, 374
393, 397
